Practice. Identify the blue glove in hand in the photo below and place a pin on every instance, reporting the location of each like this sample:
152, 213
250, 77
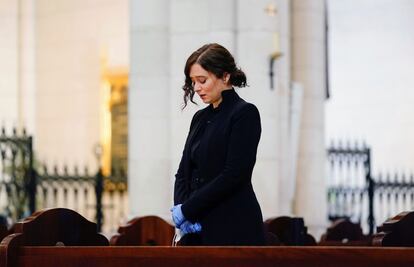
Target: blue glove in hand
177, 215
188, 227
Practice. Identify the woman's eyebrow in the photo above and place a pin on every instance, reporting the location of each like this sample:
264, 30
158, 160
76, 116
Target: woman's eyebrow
198, 76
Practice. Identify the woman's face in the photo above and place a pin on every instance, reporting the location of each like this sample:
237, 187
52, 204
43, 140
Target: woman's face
207, 85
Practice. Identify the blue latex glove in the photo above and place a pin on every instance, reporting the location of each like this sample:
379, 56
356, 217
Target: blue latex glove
188, 227
177, 215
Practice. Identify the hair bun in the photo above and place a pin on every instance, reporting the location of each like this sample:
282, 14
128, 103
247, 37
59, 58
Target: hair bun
238, 78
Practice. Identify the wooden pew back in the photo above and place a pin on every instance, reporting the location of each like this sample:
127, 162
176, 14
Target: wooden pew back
397, 231
144, 231
62, 227
343, 232
290, 231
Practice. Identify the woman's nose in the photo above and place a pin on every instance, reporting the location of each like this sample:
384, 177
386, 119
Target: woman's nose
197, 87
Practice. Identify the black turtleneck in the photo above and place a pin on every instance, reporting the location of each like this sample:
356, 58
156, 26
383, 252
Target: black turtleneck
227, 96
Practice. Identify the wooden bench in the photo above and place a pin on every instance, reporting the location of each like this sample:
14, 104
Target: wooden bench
343, 232
290, 231
52, 227
48, 256
63, 238
144, 231
397, 231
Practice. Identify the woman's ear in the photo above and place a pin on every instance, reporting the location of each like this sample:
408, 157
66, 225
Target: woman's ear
226, 77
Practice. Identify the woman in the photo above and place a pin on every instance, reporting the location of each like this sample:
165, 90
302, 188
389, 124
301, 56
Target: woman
213, 196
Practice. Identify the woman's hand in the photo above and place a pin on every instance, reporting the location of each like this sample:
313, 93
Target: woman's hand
189, 228
177, 215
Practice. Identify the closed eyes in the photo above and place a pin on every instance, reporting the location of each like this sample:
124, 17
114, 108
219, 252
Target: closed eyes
199, 80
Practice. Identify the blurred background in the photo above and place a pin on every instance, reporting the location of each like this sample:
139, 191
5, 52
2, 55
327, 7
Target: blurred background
91, 98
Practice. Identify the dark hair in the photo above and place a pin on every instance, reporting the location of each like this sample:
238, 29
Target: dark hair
216, 59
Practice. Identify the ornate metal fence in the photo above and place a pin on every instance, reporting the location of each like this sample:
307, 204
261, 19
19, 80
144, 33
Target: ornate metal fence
17, 179
99, 198
25, 188
354, 193
393, 193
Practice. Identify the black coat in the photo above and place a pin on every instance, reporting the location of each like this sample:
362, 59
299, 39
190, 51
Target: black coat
222, 197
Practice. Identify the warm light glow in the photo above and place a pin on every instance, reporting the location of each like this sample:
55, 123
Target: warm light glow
112, 80
276, 46
106, 127
271, 9
276, 42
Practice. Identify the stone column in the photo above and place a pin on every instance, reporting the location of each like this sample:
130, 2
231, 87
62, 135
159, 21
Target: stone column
27, 79
308, 68
286, 181
149, 181
9, 54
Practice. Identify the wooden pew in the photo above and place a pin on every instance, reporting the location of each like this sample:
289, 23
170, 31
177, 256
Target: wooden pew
343, 232
110, 256
144, 231
397, 231
290, 231
35, 240
50, 228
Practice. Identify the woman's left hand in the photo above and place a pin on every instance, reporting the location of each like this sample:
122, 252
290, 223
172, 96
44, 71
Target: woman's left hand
188, 228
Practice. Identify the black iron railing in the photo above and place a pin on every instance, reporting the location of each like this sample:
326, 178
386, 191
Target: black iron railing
354, 193
25, 188
17, 179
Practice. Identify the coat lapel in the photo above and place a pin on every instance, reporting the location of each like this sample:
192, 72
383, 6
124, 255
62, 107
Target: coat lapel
195, 130
192, 134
